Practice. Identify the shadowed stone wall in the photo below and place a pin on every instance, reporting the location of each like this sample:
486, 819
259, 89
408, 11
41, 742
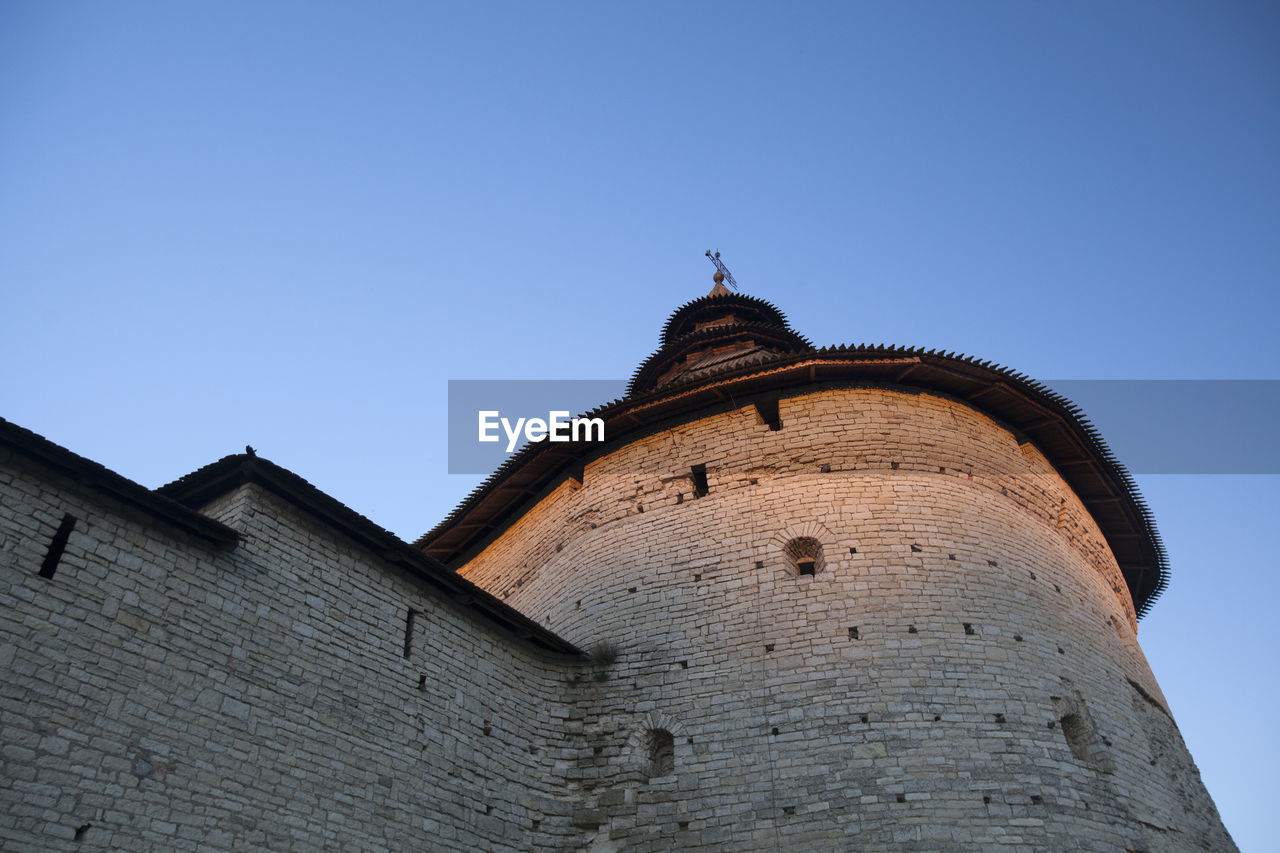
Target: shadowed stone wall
157, 693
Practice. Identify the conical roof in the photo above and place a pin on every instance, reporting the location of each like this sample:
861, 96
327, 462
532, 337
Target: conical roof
719, 331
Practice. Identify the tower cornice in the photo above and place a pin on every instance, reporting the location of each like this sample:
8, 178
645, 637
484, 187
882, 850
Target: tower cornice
1057, 427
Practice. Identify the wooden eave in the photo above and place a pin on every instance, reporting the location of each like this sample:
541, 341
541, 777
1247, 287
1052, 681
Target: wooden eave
669, 355
753, 308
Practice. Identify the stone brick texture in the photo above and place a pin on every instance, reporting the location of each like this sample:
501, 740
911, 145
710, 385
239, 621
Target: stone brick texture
159, 694
961, 671
910, 695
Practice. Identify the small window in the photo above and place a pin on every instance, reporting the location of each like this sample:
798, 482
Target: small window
57, 546
1078, 733
767, 411
409, 617
804, 556
662, 753
699, 476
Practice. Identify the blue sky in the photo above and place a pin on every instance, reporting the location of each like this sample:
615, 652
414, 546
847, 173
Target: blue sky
290, 224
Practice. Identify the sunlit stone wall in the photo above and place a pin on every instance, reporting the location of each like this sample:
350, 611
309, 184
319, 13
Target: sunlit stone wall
960, 670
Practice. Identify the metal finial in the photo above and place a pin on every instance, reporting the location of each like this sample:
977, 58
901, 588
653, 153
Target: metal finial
722, 272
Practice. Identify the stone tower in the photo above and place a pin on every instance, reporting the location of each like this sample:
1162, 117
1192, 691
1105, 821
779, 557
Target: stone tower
851, 598
834, 599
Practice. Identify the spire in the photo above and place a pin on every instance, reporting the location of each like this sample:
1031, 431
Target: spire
722, 273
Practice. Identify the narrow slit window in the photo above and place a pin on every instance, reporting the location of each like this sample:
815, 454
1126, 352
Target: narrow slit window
57, 546
699, 476
410, 616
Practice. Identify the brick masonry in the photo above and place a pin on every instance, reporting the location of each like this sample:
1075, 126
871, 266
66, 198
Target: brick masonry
960, 672
159, 694
908, 695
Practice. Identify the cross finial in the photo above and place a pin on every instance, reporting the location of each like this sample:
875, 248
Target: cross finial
722, 272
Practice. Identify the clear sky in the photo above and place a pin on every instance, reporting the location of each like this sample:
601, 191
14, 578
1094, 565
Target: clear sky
289, 224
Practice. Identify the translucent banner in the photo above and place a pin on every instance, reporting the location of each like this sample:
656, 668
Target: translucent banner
1154, 426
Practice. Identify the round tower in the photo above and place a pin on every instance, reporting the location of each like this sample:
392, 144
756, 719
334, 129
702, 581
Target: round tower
852, 598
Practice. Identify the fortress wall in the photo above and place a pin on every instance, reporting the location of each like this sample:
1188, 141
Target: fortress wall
962, 672
157, 693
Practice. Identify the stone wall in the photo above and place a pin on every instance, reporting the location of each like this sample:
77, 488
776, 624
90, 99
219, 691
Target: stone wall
160, 693
961, 671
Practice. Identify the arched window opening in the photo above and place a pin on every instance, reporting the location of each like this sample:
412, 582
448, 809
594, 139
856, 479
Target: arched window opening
1078, 734
804, 556
1084, 740
662, 753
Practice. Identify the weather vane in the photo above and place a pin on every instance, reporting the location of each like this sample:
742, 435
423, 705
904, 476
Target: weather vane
722, 272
